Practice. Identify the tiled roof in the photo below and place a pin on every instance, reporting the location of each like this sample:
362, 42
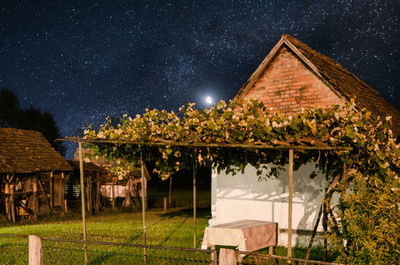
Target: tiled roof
339, 79
23, 151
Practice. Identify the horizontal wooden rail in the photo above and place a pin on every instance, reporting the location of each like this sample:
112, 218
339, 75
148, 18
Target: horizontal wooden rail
212, 145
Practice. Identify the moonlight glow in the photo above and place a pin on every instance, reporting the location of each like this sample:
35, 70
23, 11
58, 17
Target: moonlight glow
209, 100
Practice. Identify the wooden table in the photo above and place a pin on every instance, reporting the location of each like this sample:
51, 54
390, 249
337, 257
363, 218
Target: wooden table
246, 235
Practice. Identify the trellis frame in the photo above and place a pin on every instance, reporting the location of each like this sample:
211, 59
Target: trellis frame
257, 146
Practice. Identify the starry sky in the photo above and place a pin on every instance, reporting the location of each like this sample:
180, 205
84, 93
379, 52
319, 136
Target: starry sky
85, 60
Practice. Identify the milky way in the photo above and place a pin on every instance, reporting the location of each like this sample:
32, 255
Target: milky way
85, 60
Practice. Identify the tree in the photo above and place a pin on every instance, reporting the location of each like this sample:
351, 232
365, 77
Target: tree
12, 115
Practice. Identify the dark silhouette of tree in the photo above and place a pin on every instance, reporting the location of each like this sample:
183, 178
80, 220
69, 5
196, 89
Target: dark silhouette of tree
12, 115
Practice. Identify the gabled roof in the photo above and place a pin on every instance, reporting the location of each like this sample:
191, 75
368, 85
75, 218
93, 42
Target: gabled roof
23, 151
342, 82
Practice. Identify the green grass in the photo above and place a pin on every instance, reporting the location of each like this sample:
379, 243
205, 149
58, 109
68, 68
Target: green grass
170, 229
174, 228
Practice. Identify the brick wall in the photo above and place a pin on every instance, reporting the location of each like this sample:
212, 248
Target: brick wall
287, 85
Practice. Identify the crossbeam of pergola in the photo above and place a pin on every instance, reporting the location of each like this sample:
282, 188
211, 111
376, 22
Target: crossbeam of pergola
254, 146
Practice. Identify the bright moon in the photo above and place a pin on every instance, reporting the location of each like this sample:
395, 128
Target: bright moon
209, 100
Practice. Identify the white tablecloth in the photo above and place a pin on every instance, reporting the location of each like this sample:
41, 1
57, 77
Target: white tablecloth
247, 235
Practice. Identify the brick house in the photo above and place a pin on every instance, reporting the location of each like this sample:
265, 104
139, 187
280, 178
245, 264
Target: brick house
292, 76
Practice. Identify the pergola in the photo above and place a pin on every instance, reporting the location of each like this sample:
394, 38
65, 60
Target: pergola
139, 144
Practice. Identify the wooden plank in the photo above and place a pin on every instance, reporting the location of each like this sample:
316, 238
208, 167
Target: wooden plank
83, 202
290, 205
227, 256
35, 250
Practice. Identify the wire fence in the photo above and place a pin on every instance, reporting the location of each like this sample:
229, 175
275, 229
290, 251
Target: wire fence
68, 251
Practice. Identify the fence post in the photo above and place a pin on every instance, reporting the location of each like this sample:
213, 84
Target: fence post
214, 256
228, 256
35, 250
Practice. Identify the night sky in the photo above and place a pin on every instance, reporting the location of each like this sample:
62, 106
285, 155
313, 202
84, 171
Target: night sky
85, 60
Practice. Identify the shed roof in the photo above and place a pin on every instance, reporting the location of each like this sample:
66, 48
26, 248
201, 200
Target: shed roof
88, 167
24, 151
344, 83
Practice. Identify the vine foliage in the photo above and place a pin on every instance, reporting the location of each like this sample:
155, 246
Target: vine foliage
364, 225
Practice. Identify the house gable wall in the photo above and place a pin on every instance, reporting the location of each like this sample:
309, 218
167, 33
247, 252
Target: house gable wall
287, 86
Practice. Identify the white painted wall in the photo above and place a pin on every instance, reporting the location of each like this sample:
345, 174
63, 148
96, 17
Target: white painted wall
242, 196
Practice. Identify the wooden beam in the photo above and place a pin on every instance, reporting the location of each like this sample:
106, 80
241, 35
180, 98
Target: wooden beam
290, 206
83, 202
211, 145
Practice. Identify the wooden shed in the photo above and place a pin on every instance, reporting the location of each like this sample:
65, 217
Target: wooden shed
32, 174
93, 177
127, 187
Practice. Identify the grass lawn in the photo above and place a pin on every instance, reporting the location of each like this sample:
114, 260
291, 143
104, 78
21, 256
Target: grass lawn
174, 228
170, 229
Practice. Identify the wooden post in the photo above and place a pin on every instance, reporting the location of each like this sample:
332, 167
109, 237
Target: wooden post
83, 202
65, 200
228, 257
7, 192
51, 190
61, 193
213, 258
113, 195
170, 193
98, 202
128, 198
89, 194
12, 204
143, 205
290, 205
35, 198
194, 204
165, 204
35, 250
324, 216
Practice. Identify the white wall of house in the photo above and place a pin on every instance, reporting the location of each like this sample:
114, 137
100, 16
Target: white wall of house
242, 196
